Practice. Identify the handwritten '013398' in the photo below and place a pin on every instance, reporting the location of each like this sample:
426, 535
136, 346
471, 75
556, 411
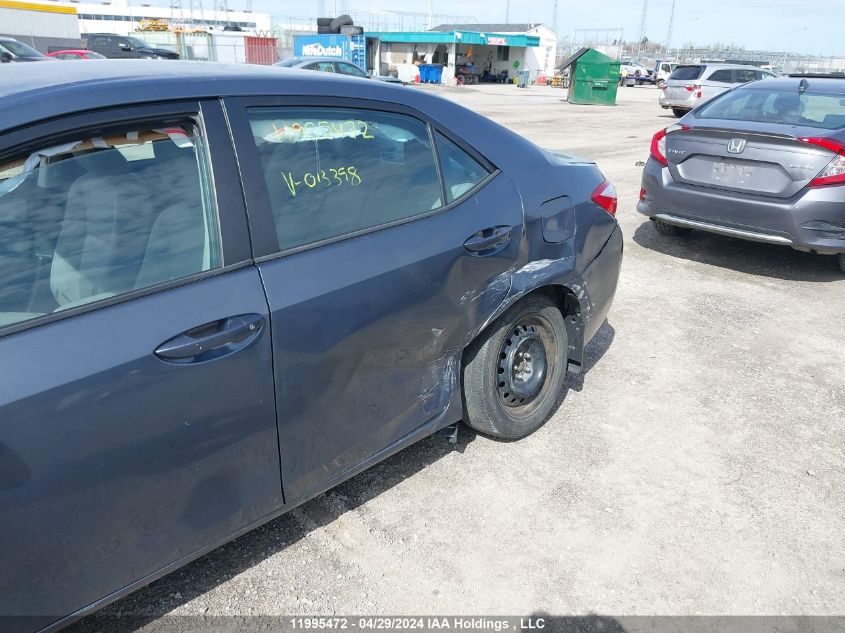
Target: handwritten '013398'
334, 178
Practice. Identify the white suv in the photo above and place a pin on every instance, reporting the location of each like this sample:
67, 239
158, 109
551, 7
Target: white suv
692, 84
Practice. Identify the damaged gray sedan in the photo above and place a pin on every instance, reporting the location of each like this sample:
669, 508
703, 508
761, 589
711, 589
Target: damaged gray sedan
224, 290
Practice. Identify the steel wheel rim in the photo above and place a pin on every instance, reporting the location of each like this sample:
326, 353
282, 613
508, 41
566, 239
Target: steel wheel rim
522, 366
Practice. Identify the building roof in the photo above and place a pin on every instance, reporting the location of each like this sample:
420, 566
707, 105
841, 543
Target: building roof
483, 28
459, 36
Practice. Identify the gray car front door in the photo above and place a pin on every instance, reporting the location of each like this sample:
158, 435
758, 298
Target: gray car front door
137, 419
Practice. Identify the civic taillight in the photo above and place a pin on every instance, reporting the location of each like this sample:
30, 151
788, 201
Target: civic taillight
605, 197
658, 143
834, 171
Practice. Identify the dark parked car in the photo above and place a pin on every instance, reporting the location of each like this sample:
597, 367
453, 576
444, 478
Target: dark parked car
124, 47
226, 289
332, 65
12, 50
763, 162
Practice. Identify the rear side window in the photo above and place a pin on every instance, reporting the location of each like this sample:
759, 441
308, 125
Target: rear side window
744, 75
333, 171
687, 73
785, 106
326, 67
97, 217
349, 69
461, 172
723, 75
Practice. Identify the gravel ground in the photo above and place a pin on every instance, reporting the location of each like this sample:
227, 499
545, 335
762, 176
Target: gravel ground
697, 467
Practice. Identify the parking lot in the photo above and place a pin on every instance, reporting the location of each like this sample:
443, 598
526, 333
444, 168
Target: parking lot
695, 468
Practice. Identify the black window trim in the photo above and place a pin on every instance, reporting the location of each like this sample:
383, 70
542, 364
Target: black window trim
209, 117
265, 244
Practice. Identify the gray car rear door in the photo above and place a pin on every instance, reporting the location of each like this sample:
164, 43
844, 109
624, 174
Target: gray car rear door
375, 282
137, 420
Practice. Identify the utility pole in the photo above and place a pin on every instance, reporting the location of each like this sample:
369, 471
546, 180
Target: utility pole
430, 14
642, 27
554, 17
507, 11
671, 24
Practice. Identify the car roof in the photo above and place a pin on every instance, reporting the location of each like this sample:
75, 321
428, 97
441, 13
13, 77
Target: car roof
7, 39
31, 93
719, 66
314, 59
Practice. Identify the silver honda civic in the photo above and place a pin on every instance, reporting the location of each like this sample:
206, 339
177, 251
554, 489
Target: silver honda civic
763, 162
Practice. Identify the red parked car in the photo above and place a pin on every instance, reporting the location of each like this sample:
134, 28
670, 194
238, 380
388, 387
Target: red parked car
76, 54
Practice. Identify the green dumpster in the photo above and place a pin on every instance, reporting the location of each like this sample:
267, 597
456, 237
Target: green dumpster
595, 78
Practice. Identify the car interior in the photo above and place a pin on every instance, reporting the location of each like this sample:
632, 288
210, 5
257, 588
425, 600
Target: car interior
92, 219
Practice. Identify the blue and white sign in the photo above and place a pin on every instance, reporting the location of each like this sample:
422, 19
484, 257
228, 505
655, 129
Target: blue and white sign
332, 45
351, 48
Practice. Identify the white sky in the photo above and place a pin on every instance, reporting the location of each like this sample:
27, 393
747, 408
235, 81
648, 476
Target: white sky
806, 26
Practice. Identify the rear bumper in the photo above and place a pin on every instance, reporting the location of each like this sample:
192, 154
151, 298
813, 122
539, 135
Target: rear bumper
601, 278
680, 104
812, 220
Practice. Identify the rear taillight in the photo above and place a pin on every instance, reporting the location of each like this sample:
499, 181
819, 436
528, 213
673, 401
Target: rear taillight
695, 89
834, 171
642, 194
658, 143
605, 197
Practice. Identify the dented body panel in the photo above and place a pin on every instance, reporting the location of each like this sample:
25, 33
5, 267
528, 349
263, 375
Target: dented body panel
361, 344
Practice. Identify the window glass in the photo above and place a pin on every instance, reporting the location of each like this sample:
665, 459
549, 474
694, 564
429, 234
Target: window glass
785, 106
744, 75
725, 75
94, 218
687, 73
332, 171
349, 69
461, 172
326, 67
19, 49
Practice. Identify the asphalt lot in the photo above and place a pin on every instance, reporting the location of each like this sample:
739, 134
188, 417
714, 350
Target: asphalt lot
697, 467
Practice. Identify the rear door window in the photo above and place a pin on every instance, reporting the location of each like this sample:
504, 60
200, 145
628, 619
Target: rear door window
101, 216
349, 69
744, 75
332, 172
724, 75
687, 73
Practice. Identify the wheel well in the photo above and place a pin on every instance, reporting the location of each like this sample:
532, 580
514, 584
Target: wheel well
570, 308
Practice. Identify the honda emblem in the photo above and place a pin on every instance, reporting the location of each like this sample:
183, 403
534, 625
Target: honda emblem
737, 145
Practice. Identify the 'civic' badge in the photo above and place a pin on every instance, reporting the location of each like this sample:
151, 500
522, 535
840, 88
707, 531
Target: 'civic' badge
736, 145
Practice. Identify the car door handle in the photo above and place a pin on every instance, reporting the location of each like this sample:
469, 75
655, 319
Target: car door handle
212, 340
488, 239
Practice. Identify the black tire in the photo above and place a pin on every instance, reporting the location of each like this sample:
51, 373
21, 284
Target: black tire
670, 229
841, 258
661, 83
324, 21
679, 112
343, 20
527, 343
